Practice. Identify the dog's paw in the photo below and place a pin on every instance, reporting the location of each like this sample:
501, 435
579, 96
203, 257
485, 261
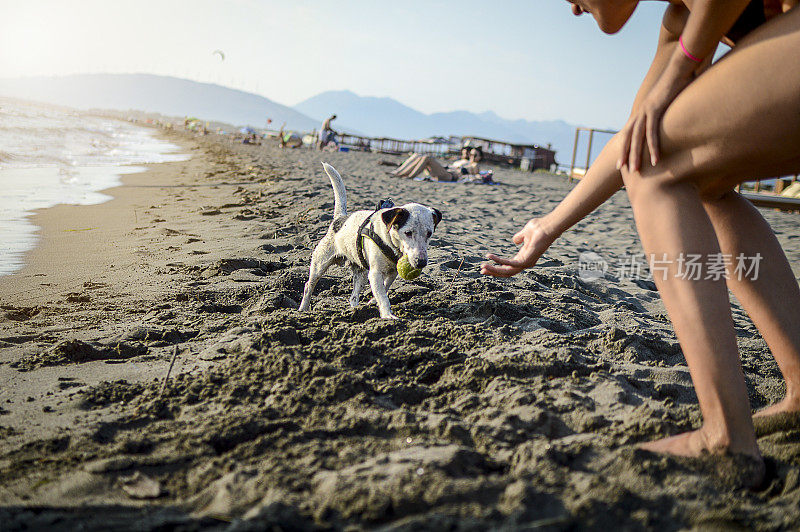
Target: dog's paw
390, 317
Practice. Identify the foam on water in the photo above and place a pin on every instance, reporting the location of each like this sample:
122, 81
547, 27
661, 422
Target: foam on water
50, 156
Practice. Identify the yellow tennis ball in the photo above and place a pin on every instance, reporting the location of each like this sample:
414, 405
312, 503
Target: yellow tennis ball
406, 270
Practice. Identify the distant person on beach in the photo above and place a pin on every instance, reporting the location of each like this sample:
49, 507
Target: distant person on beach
417, 164
289, 139
696, 130
251, 138
326, 132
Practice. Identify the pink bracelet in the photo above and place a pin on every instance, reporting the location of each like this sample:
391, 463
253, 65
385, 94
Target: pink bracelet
687, 53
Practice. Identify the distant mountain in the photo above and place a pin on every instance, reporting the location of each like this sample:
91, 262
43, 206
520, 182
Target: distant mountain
161, 94
388, 117
372, 116
356, 114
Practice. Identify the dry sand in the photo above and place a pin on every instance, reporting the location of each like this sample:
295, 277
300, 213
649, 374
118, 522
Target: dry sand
491, 403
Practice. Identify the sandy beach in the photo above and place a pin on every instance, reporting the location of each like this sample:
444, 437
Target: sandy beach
490, 404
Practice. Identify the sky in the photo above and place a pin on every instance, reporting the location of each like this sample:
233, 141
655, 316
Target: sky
529, 59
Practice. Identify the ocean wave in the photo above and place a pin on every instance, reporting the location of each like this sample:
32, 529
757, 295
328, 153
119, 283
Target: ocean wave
49, 156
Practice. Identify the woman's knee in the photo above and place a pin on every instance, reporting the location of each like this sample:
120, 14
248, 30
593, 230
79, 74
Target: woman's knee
701, 167
715, 197
640, 188
656, 182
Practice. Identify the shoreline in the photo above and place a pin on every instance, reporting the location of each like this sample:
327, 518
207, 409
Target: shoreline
81, 250
489, 404
64, 228
64, 157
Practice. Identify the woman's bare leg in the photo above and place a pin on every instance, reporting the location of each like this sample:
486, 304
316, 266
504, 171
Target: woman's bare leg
437, 170
416, 164
672, 223
742, 231
726, 126
420, 166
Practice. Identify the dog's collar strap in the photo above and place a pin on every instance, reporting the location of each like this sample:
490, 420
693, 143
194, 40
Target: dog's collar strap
383, 246
367, 232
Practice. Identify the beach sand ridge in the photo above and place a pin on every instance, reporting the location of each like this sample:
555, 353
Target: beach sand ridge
489, 404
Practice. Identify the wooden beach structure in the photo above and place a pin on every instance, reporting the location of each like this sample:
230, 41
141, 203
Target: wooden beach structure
576, 172
433, 146
774, 199
528, 157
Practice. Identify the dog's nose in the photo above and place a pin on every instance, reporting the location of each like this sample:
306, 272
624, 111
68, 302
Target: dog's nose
421, 263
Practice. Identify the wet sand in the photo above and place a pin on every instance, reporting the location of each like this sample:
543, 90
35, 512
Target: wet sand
491, 403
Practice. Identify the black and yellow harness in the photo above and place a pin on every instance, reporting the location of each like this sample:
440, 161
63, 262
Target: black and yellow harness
364, 231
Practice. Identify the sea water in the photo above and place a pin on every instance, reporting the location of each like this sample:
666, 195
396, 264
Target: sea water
51, 155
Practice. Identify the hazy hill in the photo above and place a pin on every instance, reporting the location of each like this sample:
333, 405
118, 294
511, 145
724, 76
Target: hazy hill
388, 117
160, 94
356, 114
370, 115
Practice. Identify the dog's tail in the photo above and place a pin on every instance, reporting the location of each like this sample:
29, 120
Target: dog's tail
339, 192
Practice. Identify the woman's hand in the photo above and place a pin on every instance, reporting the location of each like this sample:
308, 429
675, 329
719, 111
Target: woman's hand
644, 124
535, 241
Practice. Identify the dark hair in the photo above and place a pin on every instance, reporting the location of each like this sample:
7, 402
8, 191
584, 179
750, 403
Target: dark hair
477, 149
333, 116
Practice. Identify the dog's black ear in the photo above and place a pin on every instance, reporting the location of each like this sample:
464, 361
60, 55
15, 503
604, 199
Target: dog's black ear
397, 216
437, 217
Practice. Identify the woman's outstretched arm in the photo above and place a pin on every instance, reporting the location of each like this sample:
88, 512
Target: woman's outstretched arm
601, 181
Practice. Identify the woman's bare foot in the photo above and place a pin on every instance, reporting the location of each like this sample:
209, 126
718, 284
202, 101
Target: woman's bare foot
739, 467
782, 416
686, 444
789, 405
697, 443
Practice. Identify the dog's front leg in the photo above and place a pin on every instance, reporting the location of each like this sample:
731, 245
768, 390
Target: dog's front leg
376, 282
389, 280
387, 283
359, 280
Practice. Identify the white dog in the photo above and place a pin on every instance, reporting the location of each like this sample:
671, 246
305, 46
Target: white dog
371, 242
